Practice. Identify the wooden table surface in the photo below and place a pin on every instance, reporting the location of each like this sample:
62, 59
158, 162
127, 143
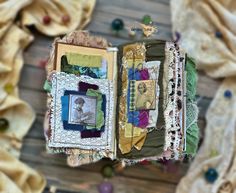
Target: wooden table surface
135, 179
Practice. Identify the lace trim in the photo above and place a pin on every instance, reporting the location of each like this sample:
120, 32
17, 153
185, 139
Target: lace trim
173, 116
65, 138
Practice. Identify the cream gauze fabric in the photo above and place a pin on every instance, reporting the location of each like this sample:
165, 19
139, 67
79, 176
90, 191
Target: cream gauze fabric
14, 38
208, 33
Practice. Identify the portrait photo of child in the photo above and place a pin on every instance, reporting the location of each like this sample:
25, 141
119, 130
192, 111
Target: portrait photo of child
82, 110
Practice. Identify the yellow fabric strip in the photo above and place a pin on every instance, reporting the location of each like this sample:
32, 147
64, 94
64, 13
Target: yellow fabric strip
137, 63
84, 60
127, 143
132, 131
130, 136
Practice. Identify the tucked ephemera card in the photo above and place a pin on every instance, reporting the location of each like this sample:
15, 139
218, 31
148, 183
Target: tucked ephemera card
88, 57
145, 95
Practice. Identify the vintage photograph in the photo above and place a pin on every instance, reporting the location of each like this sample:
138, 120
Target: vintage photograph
145, 95
82, 110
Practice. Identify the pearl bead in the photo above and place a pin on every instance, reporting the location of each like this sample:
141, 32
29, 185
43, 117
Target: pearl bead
117, 24
4, 124
132, 33
211, 175
46, 19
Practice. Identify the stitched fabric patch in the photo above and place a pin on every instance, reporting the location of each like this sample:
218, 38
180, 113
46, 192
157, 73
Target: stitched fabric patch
99, 112
150, 70
93, 72
84, 60
72, 138
101, 107
83, 86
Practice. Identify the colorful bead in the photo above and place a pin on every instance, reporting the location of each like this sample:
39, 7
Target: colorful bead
177, 36
117, 24
107, 171
4, 124
43, 63
46, 19
218, 34
147, 20
214, 153
9, 88
172, 168
211, 175
132, 32
105, 187
65, 19
228, 94
144, 162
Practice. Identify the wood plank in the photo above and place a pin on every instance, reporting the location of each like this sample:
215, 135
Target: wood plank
82, 181
73, 179
32, 77
136, 9
36, 131
207, 86
36, 99
34, 151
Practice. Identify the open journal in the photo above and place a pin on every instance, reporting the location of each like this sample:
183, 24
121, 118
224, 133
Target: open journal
133, 102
